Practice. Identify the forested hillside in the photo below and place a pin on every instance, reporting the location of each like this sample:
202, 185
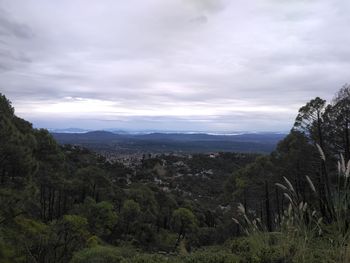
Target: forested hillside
67, 204
59, 201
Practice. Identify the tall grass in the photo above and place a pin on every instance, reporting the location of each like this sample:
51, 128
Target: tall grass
302, 223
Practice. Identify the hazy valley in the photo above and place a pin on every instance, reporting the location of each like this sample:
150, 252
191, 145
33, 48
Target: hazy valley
104, 141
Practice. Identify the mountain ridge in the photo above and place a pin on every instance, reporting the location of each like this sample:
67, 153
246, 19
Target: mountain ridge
172, 142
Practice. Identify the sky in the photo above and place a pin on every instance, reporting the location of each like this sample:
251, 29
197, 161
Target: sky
172, 65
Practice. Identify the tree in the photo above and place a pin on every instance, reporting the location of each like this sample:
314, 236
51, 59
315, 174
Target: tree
6, 108
294, 158
248, 183
70, 235
17, 144
310, 120
130, 213
145, 197
101, 217
337, 119
183, 221
33, 238
91, 180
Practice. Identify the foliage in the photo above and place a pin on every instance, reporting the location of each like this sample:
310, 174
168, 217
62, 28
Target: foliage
66, 204
98, 254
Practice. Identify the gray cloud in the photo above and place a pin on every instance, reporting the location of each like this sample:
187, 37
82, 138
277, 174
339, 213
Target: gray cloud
185, 64
11, 32
10, 27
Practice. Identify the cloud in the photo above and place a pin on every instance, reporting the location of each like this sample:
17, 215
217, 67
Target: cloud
188, 64
12, 32
9, 27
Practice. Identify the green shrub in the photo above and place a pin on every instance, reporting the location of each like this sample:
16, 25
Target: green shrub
101, 254
211, 257
147, 258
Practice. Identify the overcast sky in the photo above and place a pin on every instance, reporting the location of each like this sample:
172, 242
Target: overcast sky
205, 65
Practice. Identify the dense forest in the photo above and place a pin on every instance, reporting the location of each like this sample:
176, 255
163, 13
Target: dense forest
69, 204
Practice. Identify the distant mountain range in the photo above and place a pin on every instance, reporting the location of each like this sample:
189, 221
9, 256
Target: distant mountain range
156, 142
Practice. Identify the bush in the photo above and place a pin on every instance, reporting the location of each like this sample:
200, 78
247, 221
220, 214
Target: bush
211, 257
146, 258
101, 254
